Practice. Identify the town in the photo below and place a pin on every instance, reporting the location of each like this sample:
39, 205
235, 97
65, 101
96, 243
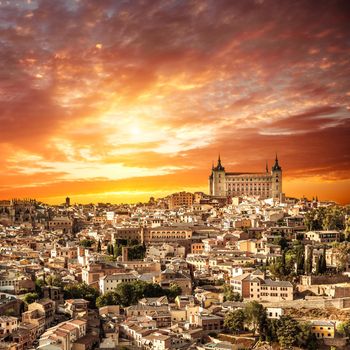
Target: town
188, 271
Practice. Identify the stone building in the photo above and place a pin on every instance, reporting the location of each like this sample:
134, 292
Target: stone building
266, 184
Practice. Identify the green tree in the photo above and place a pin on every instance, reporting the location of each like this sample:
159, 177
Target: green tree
317, 266
99, 248
344, 328
127, 295
342, 250
81, 291
308, 263
300, 258
254, 314
86, 243
174, 290
39, 284
230, 294
109, 298
54, 280
234, 321
137, 252
282, 242
306, 339
287, 332
30, 298
322, 268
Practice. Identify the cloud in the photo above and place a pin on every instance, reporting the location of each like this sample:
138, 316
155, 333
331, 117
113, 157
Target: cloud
143, 88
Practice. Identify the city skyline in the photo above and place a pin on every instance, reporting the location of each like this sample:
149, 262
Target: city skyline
129, 100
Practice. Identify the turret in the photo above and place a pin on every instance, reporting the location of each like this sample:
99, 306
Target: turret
276, 173
217, 180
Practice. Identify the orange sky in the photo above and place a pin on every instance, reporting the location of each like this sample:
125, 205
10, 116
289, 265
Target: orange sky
119, 101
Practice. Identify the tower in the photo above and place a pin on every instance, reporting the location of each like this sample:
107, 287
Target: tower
217, 180
276, 184
67, 202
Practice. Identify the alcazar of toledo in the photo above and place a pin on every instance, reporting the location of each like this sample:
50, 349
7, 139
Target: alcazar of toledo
266, 184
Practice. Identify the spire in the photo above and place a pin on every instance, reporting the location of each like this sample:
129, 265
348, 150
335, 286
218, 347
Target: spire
219, 167
267, 167
276, 166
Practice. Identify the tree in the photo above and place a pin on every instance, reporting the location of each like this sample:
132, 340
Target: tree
86, 243
127, 295
39, 284
174, 290
109, 298
308, 263
81, 291
287, 332
342, 250
282, 242
283, 263
306, 339
99, 249
137, 252
234, 321
323, 262
230, 294
300, 258
254, 314
117, 249
317, 265
54, 280
30, 298
344, 328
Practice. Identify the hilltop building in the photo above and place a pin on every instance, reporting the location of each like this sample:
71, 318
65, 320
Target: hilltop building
266, 184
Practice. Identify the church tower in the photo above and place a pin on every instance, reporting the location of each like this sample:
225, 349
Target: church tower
217, 180
276, 184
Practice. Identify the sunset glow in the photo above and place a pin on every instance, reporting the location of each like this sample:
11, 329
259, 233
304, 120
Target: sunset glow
117, 101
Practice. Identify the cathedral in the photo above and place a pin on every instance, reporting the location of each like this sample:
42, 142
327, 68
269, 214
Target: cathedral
266, 184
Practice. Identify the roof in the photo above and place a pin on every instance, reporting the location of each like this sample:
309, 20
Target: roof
322, 323
278, 283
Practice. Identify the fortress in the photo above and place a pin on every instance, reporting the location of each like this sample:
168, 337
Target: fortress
266, 184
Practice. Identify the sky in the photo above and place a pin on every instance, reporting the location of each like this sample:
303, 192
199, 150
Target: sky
117, 101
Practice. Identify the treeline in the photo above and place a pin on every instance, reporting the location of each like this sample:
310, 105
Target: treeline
136, 251
286, 331
129, 293
329, 218
293, 262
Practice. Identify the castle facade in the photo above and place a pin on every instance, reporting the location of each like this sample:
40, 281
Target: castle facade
266, 184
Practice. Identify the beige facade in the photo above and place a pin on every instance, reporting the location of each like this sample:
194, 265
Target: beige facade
110, 282
167, 234
227, 184
180, 199
8, 324
322, 236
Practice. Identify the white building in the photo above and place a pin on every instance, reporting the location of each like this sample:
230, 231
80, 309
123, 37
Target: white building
109, 282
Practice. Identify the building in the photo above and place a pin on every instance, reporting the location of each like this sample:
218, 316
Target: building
232, 184
8, 324
254, 286
61, 223
108, 283
323, 329
180, 199
322, 236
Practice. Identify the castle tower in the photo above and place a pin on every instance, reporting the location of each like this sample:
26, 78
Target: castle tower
217, 180
276, 184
